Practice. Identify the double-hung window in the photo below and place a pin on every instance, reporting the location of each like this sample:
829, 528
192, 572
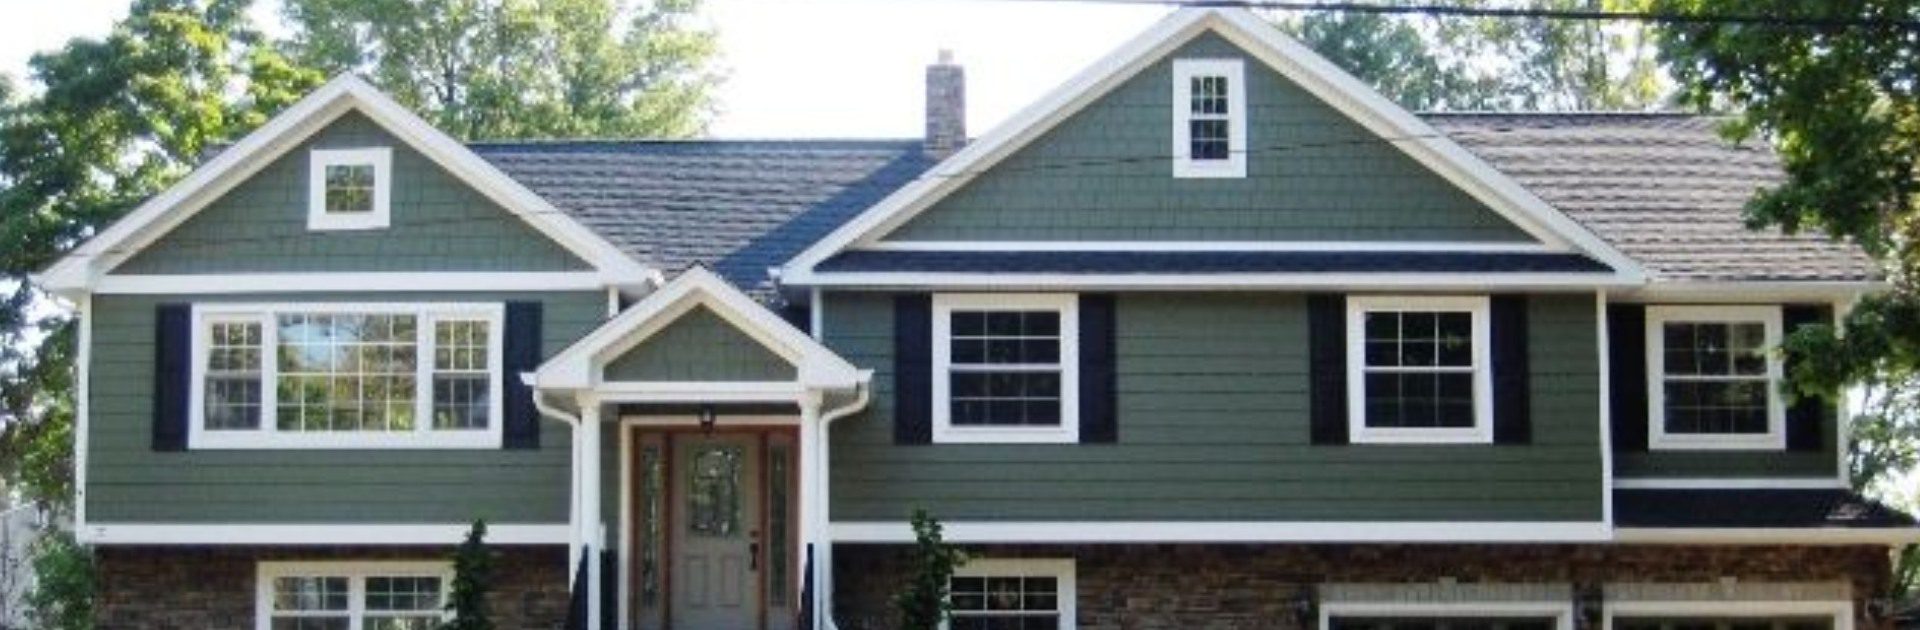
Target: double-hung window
1005, 368
351, 596
1712, 380
349, 189
1209, 118
1012, 594
1419, 370
346, 376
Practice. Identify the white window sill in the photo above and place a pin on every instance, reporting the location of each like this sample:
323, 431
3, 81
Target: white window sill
999, 435
1421, 436
327, 222
1757, 442
253, 440
1210, 169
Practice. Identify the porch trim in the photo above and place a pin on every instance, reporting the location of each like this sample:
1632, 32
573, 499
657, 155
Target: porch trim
394, 534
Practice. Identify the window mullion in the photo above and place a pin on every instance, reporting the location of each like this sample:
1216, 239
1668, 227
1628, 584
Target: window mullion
423, 364
269, 373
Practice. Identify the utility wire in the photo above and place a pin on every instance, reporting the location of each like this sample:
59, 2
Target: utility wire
1585, 15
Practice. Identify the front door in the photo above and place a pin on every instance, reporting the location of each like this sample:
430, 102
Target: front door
716, 551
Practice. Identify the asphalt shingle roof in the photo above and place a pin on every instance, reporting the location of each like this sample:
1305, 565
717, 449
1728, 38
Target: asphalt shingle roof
1666, 189
1753, 508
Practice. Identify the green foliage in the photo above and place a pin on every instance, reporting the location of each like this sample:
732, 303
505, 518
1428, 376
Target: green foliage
472, 580
1469, 63
62, 593
922, 602
518, 68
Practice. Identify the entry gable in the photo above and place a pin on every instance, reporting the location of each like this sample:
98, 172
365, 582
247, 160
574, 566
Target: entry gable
1329, 164
697, 328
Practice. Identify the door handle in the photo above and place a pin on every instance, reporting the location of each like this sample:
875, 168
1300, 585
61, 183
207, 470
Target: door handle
753, 556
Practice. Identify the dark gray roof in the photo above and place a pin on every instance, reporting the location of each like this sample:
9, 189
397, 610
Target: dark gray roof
1666, 189
1757, 508
1207, 262
737, 207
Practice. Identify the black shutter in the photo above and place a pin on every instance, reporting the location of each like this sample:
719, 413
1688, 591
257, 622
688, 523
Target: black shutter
913, 369
1809, 414
1099, 411
1327, 362
1512, 411
1627, 375
172, 375
521, 427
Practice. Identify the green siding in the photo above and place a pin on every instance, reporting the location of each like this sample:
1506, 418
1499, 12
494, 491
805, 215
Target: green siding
438, 223
700, 346
129, 482
1312, 174
1213, 426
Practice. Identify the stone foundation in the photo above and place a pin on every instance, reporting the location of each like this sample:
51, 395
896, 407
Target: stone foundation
204, 588
1260, 586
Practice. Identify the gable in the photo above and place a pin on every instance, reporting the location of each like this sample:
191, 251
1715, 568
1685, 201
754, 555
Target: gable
1313, 174
439, 223
699, 346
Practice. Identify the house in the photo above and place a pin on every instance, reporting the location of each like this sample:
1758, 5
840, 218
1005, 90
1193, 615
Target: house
1211, 336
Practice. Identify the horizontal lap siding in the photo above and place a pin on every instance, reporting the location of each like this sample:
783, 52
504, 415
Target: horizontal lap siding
127, 482
1312, 175
1213, 426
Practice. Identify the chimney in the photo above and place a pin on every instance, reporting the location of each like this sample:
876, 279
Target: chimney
946, 107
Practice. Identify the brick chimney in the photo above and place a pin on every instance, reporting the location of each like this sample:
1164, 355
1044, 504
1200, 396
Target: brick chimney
946, 107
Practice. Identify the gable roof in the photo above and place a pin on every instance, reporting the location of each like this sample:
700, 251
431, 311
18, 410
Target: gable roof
578, 366
1292, 60
82, 268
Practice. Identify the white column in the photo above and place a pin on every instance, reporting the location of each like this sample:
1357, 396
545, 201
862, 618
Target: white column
589, 521
812, 506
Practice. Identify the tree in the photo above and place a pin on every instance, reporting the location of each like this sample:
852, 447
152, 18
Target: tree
517, 69
61, 597
1839, 105
922, 602
114, 121
472, 580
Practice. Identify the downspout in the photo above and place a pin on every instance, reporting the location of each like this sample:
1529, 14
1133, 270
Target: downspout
574, 539
863, 394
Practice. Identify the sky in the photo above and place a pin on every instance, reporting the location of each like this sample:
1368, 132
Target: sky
797, 68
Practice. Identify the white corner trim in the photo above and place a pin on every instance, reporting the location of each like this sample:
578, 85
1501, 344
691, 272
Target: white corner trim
1184, 164
1067, 305
81, 269
1229, 531
82, 410
324, 534
1775, 439
1602, 350
1560, 611
1840, 611
380, 214
1258, 38
1778, 483
356, 572
1477, 307
1768, 536
1062, 570
316, 282
1490, 247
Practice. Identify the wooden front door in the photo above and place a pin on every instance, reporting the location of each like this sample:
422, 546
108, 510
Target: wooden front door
713, 529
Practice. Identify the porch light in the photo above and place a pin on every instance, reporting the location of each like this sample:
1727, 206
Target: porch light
707, 418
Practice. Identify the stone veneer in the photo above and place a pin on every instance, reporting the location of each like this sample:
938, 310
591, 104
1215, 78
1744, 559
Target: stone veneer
209, 588
1257, 586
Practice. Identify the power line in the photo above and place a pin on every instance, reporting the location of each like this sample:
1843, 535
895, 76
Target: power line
1585, 15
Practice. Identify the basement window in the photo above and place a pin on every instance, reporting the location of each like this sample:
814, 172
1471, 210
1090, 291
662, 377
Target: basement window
1209, 118
352, 595
993, 593
350, 189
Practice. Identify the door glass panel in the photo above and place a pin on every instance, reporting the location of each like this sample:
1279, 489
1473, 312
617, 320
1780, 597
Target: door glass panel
777, 526
653, 472
713, 493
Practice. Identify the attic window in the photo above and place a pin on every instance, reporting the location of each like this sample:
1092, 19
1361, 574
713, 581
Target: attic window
1209, 118
349, 189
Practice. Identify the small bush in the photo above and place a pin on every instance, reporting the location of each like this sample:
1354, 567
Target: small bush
62, 593
922, 603
472, 580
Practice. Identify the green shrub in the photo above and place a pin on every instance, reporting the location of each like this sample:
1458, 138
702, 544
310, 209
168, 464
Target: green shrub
62, 593
922, 604
472, 579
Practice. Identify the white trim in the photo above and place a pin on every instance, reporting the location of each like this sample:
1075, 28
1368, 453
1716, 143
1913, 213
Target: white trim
378, 217
1841, 611
1406, 281
1062, 570
1560, 611
1184, 165
83, 376
624, 599
343, 282
1769, 536
356, 572
269, 436
1730, 484
1068, 306
321, 534
1658, 438
1207, 246
1294, 61
1482, 370
82, 268
1735, 292
1229, 531
1603, 350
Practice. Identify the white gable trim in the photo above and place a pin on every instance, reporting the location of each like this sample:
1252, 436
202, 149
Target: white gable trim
83, 268
579, 366
1294, 61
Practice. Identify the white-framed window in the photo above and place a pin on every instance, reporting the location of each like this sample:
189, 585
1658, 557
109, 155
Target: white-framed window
1005, 368
1209, 118
375, 595
1728, 615
1419, 370
1713, 379
349, 189
335, 375
1018, 593
1493, 615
